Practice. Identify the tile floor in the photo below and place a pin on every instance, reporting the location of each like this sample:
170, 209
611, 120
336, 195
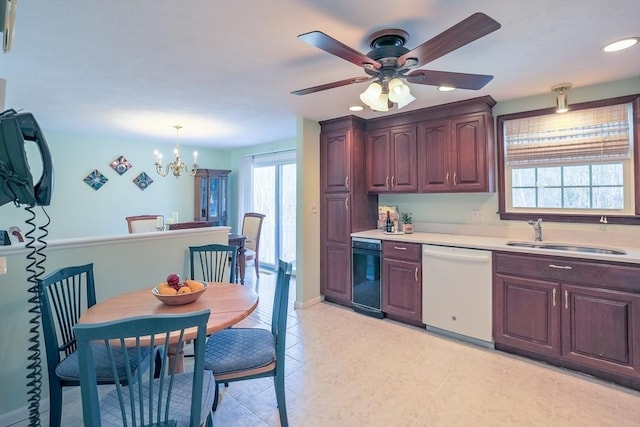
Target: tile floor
346, 369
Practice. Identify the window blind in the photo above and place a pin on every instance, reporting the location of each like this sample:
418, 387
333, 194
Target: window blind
582, 135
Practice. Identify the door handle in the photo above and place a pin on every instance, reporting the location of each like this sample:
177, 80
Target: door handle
346, 203
416, 274
566, 299
455, 180
392, 180
554, 297
346, 182
447, 179
386, 181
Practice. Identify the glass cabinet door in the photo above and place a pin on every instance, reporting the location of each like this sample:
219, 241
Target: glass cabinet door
211, 196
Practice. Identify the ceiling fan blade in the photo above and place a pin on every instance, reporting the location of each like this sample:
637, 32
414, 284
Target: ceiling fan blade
464, 32
333, 46
331, 85
445, 78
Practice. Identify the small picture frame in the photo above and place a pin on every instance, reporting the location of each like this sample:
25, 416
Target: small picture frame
121, 165
142, 181
95, 179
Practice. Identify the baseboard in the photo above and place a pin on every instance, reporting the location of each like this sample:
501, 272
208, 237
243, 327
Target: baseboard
309, 303
22, 414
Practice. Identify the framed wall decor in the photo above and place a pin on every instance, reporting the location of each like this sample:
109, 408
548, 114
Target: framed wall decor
142, 181
121, 165
95, 179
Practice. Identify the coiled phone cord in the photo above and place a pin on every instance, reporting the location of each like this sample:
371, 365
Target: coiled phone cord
35, 269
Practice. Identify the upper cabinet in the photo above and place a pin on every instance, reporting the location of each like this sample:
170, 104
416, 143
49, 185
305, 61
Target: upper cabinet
447, 148
391, 160
453, 155
210, 198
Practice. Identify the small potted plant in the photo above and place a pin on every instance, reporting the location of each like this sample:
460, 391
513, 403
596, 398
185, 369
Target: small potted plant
407, 222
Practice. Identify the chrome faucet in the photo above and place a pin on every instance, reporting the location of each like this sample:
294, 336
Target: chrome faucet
537, 227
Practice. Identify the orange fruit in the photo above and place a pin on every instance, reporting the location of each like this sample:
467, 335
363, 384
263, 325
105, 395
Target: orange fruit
167, 290
184, 290
193, 285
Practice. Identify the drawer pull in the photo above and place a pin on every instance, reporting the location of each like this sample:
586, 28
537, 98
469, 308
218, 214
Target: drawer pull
560, 267
566, 299
400, 248
554, 297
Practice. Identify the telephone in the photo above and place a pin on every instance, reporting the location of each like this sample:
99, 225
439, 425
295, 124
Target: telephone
16, 182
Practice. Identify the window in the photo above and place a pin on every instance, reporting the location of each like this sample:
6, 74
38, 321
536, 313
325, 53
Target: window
581, 166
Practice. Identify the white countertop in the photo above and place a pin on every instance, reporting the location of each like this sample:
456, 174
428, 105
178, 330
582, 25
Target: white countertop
499, 244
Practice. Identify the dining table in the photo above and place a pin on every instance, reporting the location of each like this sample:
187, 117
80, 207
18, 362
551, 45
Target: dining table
229, 304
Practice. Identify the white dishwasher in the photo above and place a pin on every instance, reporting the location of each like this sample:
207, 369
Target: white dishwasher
457, 293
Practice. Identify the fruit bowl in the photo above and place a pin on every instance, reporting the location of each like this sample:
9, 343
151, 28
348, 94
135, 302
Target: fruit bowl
180, 299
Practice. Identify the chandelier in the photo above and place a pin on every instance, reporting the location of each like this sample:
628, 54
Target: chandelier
177, 166
379, 94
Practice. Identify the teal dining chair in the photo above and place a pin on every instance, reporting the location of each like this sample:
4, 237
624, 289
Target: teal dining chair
238, 354
213, 263
172, 399
64, 295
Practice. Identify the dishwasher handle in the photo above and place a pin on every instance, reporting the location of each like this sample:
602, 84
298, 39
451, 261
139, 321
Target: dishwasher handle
455, 256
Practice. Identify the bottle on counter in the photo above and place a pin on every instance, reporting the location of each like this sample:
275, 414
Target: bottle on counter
388, 227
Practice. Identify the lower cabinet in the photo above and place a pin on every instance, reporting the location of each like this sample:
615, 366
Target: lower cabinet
402, 281
584, 315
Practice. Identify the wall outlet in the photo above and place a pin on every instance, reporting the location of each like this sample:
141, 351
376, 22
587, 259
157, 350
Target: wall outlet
314, 208
476, 216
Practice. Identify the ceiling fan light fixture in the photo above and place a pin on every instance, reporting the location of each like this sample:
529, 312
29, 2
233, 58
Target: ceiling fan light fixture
381, 104
397, 90
406, 101
371, 95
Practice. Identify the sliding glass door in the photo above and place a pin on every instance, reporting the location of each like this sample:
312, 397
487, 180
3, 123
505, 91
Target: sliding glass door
274, 194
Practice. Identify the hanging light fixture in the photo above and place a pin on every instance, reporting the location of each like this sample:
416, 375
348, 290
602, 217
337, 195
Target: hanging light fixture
562, 105
176, 166
380, 93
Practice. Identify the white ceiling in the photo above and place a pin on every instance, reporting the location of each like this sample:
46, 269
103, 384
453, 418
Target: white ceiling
224, 70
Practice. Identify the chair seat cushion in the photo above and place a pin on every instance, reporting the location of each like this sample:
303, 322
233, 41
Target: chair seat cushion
69, 368
180, 401
239, 349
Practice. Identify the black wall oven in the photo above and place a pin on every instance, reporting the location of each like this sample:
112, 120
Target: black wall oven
365, 276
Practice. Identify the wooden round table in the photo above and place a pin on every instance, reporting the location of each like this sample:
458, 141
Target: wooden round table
229, 304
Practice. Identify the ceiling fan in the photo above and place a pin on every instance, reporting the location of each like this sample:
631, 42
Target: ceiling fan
389, 61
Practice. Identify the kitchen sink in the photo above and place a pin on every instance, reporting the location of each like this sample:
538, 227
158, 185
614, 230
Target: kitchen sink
568, 247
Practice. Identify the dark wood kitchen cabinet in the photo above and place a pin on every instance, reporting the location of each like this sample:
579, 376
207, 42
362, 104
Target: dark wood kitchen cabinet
345, 205
581, 314
402, 281
210, 198
456, 154
392, 160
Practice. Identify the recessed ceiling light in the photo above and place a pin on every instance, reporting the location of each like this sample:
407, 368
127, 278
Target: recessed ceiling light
621, 44
446, 88
356, 108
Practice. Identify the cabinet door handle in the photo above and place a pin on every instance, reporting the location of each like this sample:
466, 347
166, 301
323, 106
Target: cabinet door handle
346, 203
386, 181
346, 182
392, 180
560, 267
455, 175
416, 274
447, 179
554, 297
566, 299
400, 248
